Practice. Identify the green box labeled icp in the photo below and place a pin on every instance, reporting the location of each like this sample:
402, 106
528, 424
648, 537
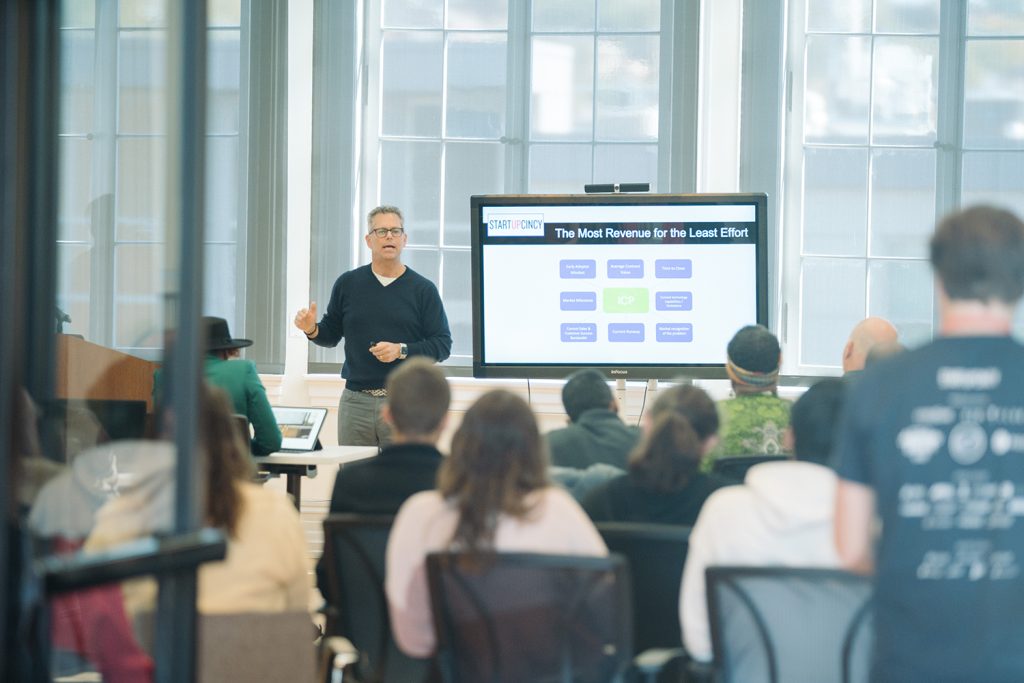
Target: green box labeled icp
626, 300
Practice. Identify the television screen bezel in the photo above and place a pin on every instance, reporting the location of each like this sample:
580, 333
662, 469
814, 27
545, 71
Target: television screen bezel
484, 370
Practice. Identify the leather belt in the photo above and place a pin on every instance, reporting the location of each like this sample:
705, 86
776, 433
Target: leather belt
376, 393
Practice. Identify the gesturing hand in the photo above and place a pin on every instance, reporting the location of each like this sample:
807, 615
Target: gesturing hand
305, 319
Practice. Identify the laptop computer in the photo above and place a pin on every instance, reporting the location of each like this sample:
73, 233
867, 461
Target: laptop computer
300, 428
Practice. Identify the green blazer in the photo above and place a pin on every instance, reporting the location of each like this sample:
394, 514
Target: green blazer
238, 378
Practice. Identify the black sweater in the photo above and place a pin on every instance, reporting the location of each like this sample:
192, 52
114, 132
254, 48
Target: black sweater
624, 500
365, 312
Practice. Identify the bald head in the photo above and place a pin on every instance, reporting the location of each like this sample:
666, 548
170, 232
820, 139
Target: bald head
866, 335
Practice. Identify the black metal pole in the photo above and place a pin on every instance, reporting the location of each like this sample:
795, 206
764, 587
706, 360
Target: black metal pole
176, 624
29, 78
9, 341
44, 174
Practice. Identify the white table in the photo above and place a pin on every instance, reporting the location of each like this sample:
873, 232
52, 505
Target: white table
297, 465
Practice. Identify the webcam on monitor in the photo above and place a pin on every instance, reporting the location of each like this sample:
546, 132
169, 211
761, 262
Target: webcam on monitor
616, 187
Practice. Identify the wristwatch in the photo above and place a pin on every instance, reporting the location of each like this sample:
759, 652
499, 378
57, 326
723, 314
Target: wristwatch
403, 352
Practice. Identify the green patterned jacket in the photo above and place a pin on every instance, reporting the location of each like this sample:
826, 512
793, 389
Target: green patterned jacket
751, 424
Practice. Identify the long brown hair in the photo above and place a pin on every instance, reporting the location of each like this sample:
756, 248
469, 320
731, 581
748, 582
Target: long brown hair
682, 420
226, 458
497, 459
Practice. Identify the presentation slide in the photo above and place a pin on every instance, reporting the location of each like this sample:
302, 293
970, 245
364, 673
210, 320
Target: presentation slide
648, 284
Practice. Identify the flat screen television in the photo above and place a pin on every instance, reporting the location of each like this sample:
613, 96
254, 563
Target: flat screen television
639, 286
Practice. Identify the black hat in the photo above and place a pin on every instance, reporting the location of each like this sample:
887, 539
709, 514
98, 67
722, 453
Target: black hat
218, 337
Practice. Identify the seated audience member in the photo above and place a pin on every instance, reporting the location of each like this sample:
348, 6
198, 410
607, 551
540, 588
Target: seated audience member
88, 629
781, 515
865, 336
664, 483
265, 569
880, 352
224, 368
65, 508
595, 433
754, 421
29, 651
493, 494
416, 411
34, 469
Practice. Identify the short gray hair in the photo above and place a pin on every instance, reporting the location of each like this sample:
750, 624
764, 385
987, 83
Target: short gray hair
384, 208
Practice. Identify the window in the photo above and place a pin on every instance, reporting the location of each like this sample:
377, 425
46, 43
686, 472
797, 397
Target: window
112, 208
467, 97
901, 111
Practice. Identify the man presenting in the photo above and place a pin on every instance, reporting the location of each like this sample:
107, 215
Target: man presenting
386, 312
933, 442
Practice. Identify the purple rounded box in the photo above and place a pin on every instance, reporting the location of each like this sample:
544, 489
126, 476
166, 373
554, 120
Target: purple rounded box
578, 301
625, 332
673, 268
578, 269
674, 332
620, 269
579, 332
673, 301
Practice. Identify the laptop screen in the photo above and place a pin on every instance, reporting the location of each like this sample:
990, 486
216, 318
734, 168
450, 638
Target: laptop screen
300, 427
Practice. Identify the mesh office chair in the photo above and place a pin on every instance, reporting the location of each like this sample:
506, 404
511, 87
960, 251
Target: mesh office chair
780, 624
735, 467
354, 548
515, 617
244, 430
656, 554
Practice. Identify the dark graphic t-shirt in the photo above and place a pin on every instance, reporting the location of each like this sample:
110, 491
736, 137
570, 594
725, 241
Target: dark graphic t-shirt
938, 433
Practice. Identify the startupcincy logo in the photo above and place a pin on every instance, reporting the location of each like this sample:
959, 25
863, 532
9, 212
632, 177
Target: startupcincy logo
515, 225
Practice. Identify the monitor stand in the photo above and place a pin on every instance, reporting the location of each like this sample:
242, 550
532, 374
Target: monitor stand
620, 395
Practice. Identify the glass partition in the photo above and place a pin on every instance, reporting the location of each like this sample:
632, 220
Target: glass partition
104, 472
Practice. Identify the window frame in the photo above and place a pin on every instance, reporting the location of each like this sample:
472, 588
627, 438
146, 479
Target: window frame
259, 240
773, 97
677, 139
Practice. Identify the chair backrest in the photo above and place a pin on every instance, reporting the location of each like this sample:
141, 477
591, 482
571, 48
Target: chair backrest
354, 548
256, 647
735, 466
778, 624
261, 647
656, 554
514, 617
242, 423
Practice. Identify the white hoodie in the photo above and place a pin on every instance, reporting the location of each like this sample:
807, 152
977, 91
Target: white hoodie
67, 505
781, 516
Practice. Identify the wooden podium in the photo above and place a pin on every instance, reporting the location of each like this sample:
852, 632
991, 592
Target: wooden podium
90, 371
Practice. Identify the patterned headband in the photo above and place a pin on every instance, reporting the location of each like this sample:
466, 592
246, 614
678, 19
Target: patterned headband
751, 378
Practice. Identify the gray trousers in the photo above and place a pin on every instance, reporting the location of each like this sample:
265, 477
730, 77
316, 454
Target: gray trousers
359, 420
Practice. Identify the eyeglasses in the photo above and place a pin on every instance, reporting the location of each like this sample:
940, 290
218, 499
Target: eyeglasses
384, 232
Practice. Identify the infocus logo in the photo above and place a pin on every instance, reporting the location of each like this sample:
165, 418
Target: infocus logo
618, 372
515, 225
